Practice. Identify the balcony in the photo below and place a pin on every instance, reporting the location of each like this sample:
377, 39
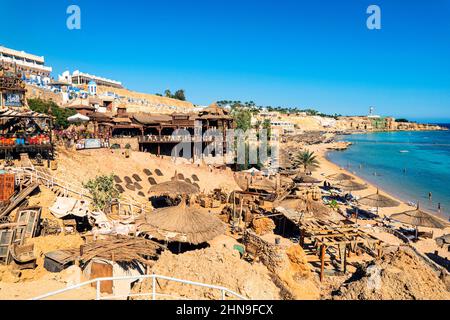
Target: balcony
174, 139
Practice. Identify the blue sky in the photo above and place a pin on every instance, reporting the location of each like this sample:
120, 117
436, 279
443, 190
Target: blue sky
316, 54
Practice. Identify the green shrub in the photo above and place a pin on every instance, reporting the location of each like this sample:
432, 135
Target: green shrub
102, 190
60, 114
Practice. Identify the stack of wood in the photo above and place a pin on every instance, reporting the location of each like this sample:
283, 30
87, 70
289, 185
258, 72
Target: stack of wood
121, 249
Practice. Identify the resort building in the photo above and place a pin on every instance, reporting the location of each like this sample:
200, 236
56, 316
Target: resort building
30, 66
81, 78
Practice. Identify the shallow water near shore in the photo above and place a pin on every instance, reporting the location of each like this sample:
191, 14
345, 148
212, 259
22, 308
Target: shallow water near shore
408, 165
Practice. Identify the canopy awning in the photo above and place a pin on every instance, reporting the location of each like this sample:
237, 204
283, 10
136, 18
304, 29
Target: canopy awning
78, 118
10, 113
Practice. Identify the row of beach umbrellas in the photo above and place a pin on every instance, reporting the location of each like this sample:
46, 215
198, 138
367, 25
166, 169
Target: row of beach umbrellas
416, 217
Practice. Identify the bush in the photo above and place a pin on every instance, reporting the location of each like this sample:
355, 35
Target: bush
61, 115
102, 190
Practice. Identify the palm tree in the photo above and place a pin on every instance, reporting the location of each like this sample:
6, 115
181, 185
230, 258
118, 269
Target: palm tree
307, 159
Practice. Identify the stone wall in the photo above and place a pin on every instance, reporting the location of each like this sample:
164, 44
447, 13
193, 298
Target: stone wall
269, 254
39, 93
134, 143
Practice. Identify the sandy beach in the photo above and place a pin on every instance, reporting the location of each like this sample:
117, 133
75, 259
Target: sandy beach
328, 168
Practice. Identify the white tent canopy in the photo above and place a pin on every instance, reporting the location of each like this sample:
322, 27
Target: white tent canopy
78, 118
252, 170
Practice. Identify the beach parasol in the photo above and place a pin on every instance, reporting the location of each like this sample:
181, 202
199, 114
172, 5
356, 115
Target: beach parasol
350, 185
302, 178
173, 188
308, 208
252, 171
378, 200
340, 177
419, 218
78, 118
181, 224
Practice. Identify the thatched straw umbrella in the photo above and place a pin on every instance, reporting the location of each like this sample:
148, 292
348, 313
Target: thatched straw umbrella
181, 224
173, 188
302, 178
378, 200
340, 177
350, 185
308, 208
419, 218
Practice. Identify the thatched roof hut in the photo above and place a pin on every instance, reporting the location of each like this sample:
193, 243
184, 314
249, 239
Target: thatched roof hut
181, 224
147, 119
214, 110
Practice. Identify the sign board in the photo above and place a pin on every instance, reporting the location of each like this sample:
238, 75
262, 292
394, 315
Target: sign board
13, 100
92, 144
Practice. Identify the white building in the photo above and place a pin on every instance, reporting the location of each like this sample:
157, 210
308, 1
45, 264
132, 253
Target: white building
81, 78
31, 66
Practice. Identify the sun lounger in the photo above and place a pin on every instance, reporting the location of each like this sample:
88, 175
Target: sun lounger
130, 187
180, 176
188, 180
137, 178
128, 180
152, 181
147, 172
141, 194
159, 173
137, 186
120, 188
195, 178
117, 179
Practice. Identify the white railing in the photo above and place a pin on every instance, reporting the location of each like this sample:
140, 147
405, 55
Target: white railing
67, 187
153, 294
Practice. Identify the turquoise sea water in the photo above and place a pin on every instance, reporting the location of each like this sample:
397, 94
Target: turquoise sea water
408, 165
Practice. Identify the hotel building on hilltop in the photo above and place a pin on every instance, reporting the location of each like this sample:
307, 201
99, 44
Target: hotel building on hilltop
81, 78
29, 65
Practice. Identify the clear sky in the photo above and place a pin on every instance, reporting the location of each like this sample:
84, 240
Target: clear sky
316, 54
